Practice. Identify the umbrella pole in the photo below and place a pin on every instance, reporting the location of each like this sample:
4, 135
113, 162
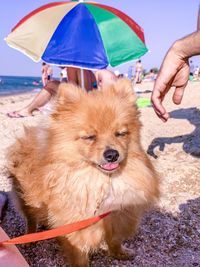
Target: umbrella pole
82, 79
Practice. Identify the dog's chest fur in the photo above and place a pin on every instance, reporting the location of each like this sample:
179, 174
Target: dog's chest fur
120, 195
97, 193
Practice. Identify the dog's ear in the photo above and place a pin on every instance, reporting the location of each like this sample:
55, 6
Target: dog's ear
68, 93
123, 87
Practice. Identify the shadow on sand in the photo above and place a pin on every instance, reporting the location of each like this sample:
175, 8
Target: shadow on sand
191, 142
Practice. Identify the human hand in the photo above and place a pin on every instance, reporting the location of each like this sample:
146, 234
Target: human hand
174, 72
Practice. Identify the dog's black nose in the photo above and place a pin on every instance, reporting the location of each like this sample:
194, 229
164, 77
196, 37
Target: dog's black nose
111, 155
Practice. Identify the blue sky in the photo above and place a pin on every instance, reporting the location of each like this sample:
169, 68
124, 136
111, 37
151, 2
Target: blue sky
163, 22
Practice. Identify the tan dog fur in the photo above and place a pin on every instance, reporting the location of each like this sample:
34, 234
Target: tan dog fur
57, 173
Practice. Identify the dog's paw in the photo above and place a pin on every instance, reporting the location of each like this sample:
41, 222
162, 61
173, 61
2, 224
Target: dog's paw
123, 254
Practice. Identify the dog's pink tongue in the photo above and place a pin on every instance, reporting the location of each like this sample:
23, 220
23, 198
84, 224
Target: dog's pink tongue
110, 166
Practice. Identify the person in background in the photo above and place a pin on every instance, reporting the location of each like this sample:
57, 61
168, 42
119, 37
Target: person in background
150, 77
49, 91
49, 73
138, 72
63, 74
130, 72
196, 73
191, 68
44, 73
74, 76
104, 77
41, 99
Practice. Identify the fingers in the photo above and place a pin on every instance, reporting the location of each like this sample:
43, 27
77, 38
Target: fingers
161, 88
180, 81
178, 95
163, 116
156, 100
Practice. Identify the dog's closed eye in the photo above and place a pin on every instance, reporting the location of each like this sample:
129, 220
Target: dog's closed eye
121, 133
89, 137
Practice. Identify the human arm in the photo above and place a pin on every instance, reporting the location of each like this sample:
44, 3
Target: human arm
10, 255
174, 72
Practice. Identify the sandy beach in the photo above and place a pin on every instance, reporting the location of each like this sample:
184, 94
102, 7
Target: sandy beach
169, 235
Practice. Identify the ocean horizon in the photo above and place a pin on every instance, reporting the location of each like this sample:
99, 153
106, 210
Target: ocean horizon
13, 85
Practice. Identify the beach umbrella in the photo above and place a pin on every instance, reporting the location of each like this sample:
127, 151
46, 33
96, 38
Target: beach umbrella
82, 34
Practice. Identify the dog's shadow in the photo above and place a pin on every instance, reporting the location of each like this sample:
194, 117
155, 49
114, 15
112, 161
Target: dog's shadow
191, 141
162, 240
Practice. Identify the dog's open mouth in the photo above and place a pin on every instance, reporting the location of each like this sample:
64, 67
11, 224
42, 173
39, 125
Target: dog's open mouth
109, 166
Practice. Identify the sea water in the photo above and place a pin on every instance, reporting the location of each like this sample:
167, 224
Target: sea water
12, 85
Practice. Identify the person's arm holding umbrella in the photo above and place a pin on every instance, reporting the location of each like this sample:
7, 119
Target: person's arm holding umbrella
174, 72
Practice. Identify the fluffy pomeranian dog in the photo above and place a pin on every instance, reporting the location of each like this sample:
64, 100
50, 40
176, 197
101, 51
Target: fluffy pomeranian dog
86, 159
